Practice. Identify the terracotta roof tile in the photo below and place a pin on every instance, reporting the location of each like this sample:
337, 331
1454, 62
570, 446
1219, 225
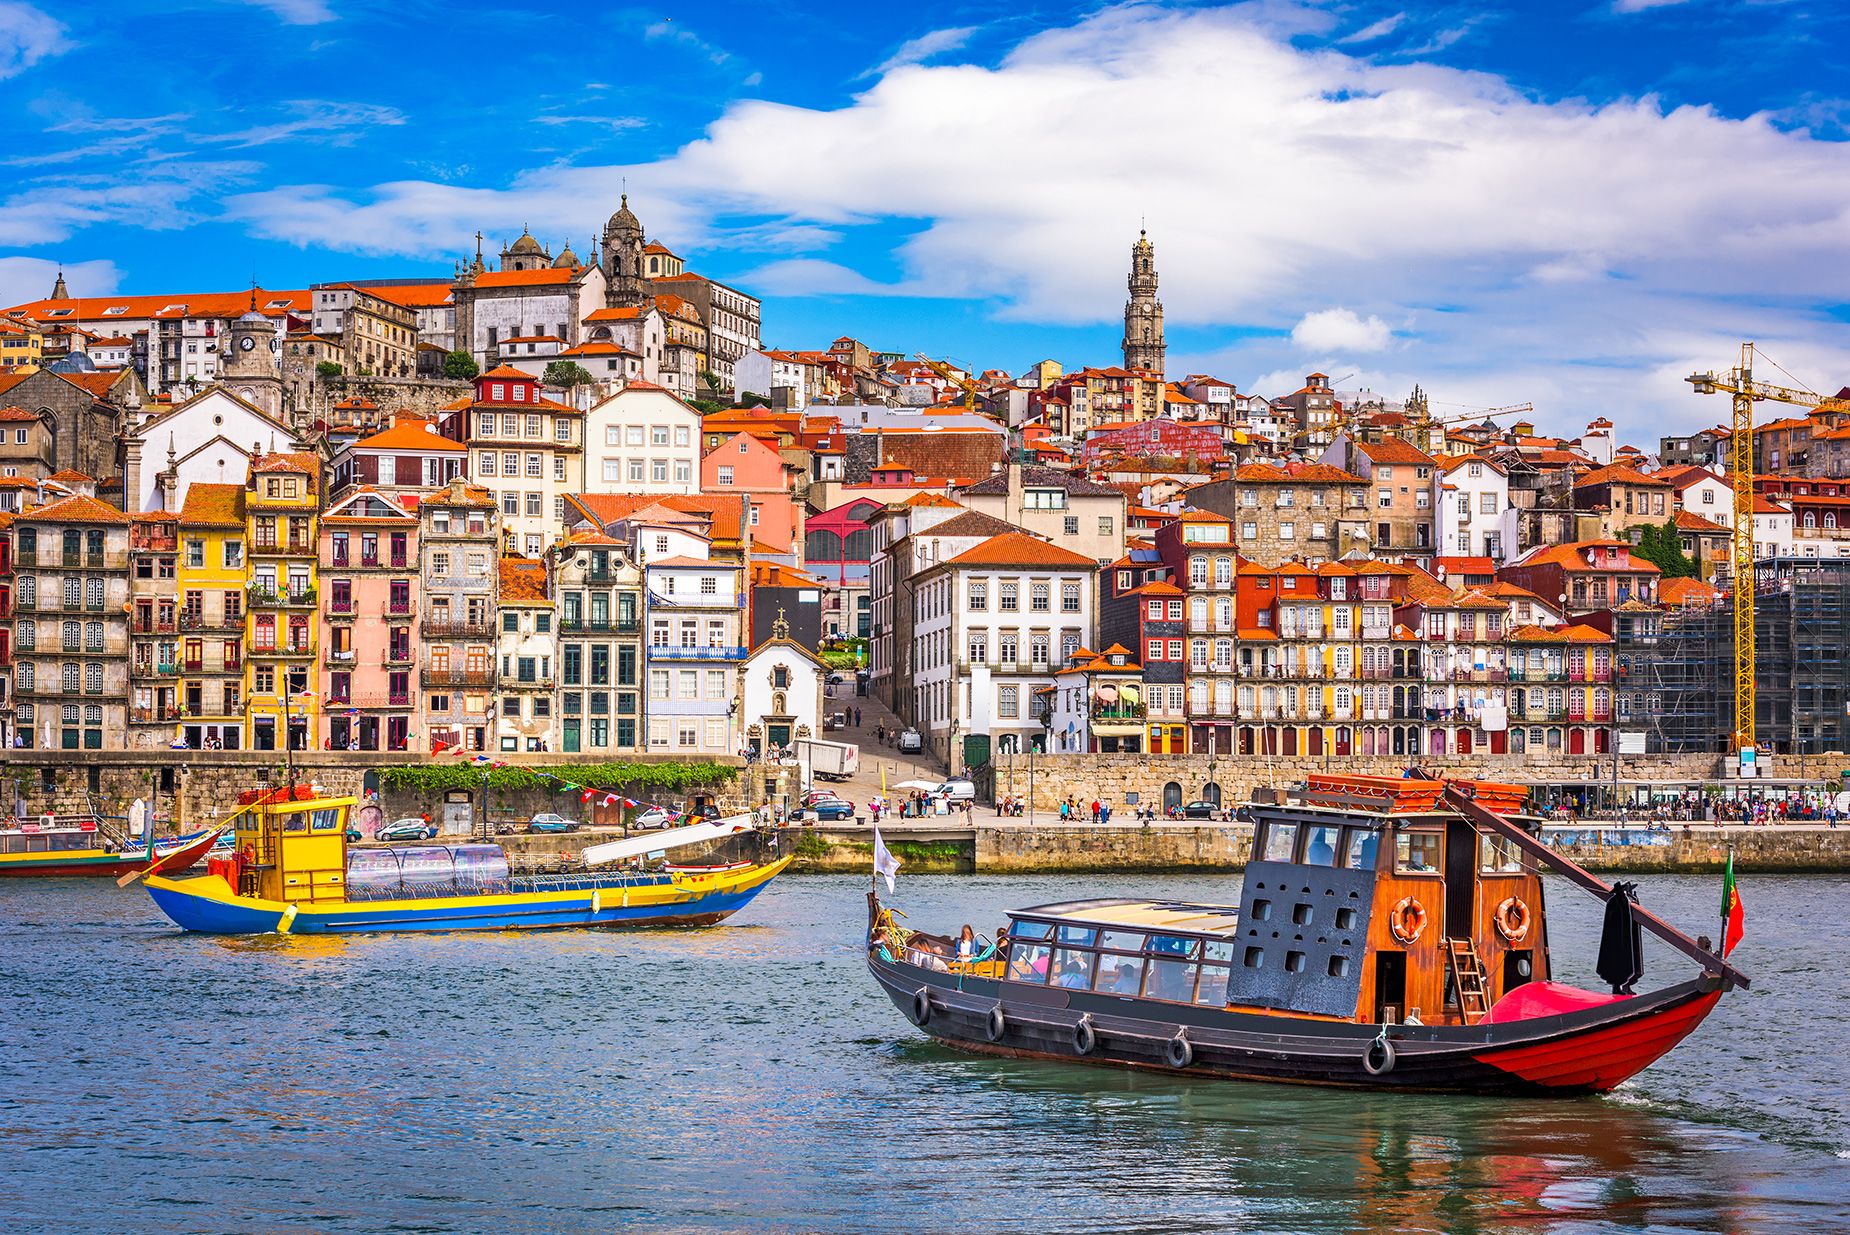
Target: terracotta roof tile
75, 509
523, 581
1020, 549
211, 505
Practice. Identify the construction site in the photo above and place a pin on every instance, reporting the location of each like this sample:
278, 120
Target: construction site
1801, 664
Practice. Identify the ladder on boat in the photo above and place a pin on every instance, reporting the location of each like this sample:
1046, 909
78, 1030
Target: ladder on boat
1468, 979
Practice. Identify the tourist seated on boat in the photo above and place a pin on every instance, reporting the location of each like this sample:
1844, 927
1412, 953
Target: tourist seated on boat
1320, 846
966, 944
1075, 970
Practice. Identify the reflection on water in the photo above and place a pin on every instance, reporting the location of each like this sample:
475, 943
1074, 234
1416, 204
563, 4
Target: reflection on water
751, 1077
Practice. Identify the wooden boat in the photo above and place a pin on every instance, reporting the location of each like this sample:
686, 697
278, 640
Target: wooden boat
82, 849
1385, 938
294, 873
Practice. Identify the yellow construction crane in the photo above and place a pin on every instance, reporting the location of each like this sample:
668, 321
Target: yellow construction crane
1739, 383
950, 375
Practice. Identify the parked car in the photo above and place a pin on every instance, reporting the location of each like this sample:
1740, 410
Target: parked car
820, 795
654, 817
834, 679
957, 789
910, 743
546, 821
409, 828
828, 810
1201, 810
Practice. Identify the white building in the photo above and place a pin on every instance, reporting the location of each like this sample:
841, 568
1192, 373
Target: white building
643, 439
1472, 516
782, 691
1773, 529
990, 627
694, 615
1701, 492
210, 437
525, 448
764, 372
527, 648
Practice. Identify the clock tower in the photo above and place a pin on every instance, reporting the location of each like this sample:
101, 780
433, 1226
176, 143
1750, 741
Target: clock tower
248, 362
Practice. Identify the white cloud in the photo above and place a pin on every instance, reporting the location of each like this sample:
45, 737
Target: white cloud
311, 119
916, 51
30, 278
1376, 29
1340, 330
1549, 249
27, 36
298, 12
1638, 6
665, 31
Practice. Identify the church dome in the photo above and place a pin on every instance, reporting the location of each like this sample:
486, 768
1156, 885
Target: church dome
566, 259
73, 362
526, 244
625, 220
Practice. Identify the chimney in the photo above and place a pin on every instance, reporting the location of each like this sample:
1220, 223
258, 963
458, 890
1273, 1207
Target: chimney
1012, 510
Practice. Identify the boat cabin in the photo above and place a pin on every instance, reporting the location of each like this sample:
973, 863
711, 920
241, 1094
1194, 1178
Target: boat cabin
1373, 909
292, 846
35, 838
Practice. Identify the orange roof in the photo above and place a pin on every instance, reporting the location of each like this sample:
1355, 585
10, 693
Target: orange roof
930, 499
410, 434
1393, 450
1619, 473
17, 413
69, 477
412, 295
523, 581
288, 461
199, 304
524, 278
509, 371
1570, 556
1689, 521
1157, 587
1020, 549
77, 509
1686, 592
210, 505
615, 315
776, 574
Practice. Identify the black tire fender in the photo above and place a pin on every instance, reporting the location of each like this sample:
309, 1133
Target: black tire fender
1179, 1051
997, 1025
921, 1005
1085, 1038
1379, 1058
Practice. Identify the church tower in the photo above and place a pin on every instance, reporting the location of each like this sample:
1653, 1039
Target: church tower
248, 362
1143, 312
624, 287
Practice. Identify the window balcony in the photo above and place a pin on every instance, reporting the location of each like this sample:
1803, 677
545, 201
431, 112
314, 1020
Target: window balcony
191, 621
1117, 714
155, 626
674, 652
450, 676
155, 715
291, 598
341, 607
396, 656
456, 630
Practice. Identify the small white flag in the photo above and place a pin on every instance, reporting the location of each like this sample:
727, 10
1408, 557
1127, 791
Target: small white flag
884, 862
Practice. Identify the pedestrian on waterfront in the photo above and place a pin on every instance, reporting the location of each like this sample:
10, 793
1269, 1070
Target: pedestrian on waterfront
857, 718
1104, 814
1095, 810
1065, 811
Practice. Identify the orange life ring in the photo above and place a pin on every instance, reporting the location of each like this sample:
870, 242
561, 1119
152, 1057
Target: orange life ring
1513, 920
1407, 920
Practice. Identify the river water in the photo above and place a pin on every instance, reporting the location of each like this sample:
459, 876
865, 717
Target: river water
751, 1077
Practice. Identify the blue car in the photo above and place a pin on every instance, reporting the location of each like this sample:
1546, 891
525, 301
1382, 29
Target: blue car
829, 810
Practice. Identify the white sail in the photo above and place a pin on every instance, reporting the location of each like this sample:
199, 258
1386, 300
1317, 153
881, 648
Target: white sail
656, 842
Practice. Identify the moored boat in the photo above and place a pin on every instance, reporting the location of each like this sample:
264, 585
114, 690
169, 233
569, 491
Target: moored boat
293, 872
1390, 934
61, 849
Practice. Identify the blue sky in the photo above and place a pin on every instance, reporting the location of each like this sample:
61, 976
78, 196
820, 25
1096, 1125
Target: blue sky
1570, 203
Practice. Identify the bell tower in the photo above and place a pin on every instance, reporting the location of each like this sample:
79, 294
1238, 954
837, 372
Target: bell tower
1143, 312
624, 287
248, 362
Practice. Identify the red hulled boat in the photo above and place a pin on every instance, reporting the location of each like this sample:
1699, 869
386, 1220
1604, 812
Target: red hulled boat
1390, 934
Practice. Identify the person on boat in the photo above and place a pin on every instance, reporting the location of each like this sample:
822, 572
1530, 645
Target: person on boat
1072, 974
966, 944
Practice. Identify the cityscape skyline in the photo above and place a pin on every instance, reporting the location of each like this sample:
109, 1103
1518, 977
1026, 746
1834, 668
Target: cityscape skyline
1374, 162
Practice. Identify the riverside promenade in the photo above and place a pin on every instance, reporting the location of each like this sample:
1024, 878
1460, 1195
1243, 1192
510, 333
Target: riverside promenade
1042, 844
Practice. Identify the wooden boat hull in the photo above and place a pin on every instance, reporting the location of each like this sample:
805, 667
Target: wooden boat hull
1587, 1051
101, 861
209, 905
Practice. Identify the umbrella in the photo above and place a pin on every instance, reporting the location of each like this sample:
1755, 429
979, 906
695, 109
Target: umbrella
918, 784
137, 817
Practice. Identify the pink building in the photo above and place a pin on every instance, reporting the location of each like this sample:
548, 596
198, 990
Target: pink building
369, 616
749, 465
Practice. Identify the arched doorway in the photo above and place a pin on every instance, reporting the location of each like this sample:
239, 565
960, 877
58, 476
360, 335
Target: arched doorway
1172, 797
1210, 793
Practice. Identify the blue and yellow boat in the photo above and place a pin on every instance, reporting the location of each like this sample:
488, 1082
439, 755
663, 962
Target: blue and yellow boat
294, 873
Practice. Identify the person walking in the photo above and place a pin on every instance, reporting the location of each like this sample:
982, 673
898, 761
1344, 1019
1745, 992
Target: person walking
1095, 809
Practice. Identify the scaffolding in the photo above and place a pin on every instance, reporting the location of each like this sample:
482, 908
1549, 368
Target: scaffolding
1802, 664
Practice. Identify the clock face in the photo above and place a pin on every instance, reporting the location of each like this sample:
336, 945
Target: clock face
247, 343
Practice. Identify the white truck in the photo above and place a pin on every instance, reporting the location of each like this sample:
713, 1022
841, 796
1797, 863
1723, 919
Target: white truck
827, 760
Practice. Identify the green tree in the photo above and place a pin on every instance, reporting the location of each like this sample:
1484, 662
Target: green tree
327, 368
1663, 548
460, 367
565, 374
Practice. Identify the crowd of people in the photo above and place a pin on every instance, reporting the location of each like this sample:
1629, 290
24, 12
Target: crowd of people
1696, 806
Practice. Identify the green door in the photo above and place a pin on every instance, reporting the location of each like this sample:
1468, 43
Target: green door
976, 750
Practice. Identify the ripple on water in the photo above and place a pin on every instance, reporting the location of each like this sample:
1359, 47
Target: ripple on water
750, 1077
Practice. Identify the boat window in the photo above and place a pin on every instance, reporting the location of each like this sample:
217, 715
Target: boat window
295, 821
1498, 855
1028, 962
1120, 975
1125, 941
1171, 980
1072, 967
1417, 852
1172, 945
1220, 950
1280, 840
1322, 843
1212, 989
1363, 842
1077, 934
1031, 930
327, 819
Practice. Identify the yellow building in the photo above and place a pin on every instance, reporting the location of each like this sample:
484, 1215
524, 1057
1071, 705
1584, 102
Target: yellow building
21, 346
282, 504
212, 580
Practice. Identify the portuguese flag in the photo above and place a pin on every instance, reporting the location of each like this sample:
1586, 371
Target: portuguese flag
1733, 917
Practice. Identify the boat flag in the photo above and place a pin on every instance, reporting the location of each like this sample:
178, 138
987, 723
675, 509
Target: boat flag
1734, 917
884, 861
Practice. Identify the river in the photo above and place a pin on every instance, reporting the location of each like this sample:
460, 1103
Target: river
751, 1077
